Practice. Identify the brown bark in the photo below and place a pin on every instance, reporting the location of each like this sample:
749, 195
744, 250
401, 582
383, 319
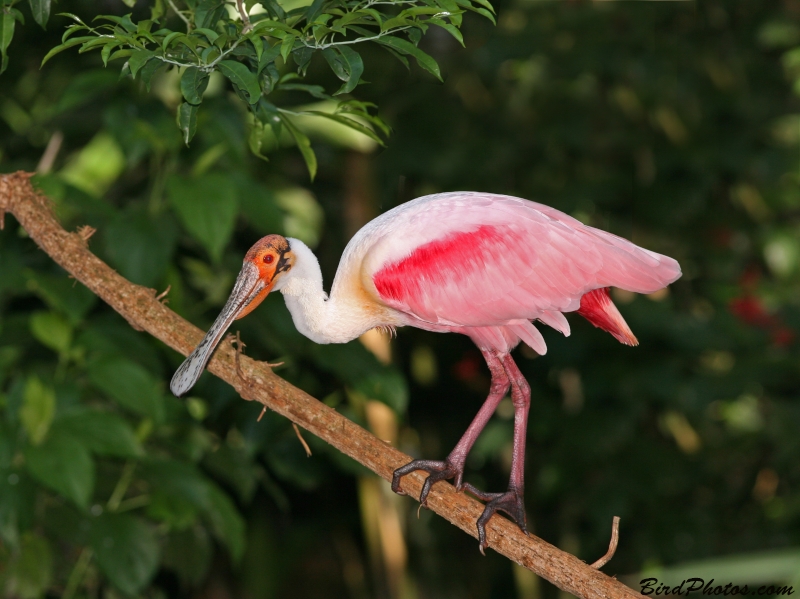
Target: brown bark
144, 312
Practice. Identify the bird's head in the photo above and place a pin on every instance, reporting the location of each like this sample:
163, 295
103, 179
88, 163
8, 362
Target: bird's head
264, 267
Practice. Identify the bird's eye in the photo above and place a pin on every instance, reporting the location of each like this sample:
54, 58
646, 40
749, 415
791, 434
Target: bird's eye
269, 259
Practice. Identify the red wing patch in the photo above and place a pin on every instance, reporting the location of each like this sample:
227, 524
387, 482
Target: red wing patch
439, 262
597, 308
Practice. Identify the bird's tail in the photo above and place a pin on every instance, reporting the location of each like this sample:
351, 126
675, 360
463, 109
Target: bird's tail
597, 308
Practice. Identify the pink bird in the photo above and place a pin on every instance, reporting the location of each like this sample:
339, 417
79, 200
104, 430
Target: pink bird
479, 264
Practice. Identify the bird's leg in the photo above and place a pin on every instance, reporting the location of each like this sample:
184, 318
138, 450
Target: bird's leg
453, 465
511, 502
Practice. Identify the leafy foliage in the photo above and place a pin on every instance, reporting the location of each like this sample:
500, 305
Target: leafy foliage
247, 51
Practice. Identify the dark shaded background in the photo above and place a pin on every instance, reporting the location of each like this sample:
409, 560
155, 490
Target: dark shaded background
673, 124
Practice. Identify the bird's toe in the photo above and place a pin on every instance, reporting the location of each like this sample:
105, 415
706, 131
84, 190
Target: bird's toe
511, 502
437, 470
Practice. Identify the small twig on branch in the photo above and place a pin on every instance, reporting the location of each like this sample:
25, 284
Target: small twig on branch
164, 293
50, 153
612, 546
86, 233
143, 311
240, 345
180, 15
302, 441
245, 18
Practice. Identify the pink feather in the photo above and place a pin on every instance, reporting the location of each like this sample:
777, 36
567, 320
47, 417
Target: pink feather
485, 262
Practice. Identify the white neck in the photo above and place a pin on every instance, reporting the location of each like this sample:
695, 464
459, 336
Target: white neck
321, 319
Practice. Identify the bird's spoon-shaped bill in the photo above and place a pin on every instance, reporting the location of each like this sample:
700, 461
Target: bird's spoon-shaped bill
248, 291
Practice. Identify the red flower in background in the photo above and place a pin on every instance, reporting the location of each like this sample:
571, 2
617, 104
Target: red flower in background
751, 310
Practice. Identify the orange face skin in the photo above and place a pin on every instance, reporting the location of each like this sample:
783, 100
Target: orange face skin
272, 256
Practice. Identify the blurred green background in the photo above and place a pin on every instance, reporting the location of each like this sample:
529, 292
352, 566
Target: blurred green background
674, 124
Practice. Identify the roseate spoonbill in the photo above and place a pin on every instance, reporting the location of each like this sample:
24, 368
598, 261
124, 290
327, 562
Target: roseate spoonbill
480, 264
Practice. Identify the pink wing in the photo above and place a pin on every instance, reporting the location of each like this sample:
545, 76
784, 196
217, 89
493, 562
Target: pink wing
508, 260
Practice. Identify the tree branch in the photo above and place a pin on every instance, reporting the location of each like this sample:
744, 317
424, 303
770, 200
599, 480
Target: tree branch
140, 307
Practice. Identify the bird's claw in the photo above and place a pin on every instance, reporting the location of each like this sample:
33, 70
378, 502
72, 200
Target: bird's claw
436, 471
510, 502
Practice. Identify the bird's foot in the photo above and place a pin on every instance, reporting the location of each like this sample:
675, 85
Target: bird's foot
436, 471
510, 502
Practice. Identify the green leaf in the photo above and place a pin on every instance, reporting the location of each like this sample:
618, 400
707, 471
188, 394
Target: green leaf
122, 54
52, 330
73, 41
187, 121
85, 86
480, 11
181, 480
415, 11
451, 29
158, 10
37, 410
95, 43
405, 47
236, 468
286, 46
170, 37
263, 27
188, 553
337, 63
268, 57
226, 522
361, 109
174, 510
403, 60
193, 84
150, 69
356, 17
41, 11
29, 571
206, 11
303, 144
62, 294
255, 139
353, 124
313, 10
387, 386
17, 502
64, 465
75, 18
355, 67
210, 34
486, 4
302, 57
258, 44
206, 206
130, 385
241, 77
107, 49
398, 21
315, 90
138, 59
7, 22
72, 29
126, 549
102, 432
275, 9
140, 246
